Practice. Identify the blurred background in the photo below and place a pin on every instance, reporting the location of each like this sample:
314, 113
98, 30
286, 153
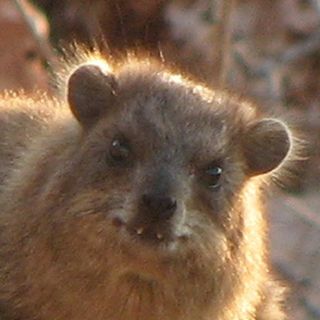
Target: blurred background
269, 51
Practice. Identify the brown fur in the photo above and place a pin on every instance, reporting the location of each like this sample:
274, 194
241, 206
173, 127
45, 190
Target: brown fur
68, 248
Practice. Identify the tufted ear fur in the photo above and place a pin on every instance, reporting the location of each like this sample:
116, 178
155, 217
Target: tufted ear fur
265, 144
90, 93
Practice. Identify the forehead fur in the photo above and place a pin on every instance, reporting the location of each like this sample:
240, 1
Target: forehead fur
158, 102
143, 76
150, 79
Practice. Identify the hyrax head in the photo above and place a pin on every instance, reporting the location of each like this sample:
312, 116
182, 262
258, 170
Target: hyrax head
163, 161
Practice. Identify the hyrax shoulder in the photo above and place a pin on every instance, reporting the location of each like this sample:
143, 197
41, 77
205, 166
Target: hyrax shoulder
139, 197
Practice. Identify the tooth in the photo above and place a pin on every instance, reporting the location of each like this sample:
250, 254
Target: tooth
139, 230
159, 236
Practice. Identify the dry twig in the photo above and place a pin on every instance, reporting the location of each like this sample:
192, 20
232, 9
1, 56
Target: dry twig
44, 48
316, 4
223, 38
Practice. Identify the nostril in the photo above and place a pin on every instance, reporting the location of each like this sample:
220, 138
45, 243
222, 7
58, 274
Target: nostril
169, 203
147, 200
159, 206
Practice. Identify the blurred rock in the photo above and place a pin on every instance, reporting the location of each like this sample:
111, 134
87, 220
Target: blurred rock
120, 23
20, 64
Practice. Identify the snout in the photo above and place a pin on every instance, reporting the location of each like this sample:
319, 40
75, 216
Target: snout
158, 207
156, 218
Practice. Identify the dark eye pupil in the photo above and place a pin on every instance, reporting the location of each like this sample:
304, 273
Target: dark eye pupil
119, 150
213, 176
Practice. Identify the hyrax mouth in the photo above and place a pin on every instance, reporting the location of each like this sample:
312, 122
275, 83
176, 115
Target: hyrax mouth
148, 232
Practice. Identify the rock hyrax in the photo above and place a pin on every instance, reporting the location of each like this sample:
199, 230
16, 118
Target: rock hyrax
138, 197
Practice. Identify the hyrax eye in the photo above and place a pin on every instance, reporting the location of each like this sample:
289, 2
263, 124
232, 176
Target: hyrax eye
212, 177
119, 150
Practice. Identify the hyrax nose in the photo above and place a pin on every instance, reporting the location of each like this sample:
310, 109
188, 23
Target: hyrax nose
158, 206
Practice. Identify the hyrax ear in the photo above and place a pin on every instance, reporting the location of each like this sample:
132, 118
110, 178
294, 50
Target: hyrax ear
90, 93
266, 143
